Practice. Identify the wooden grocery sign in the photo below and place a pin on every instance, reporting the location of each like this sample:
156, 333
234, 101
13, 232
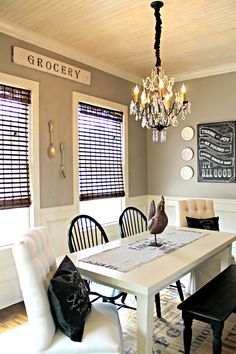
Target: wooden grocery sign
51, 66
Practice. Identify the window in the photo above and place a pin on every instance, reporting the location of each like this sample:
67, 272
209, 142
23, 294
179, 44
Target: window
101, 157
19, 156
14, 141
100, 152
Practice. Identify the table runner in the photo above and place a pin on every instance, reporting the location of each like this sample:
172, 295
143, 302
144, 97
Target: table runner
132, 255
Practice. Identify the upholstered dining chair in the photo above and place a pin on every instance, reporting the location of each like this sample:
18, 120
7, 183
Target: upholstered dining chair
198, 209
132, 221
84, 232
36, 265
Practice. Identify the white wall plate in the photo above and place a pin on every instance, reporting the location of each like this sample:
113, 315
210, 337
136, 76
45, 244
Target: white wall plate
187, 133
187, 154
186, 172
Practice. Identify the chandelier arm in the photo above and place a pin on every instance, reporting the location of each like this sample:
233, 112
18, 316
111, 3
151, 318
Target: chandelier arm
184, 106
167, 111
159, 126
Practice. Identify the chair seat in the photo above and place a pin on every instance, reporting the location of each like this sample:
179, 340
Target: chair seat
95, 329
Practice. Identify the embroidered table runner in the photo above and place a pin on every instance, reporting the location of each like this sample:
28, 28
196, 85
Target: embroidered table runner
132, 255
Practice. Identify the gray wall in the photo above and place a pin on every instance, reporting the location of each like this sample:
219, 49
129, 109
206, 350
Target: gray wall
154, 168
56, 105
213, 100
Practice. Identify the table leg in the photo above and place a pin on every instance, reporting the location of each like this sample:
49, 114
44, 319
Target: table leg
145, 306
226, 257
217, 333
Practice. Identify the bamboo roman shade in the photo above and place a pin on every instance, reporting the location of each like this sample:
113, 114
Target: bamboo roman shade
100, 152
14, 164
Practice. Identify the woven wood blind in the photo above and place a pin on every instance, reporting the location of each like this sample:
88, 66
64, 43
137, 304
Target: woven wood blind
100, 152
14, 164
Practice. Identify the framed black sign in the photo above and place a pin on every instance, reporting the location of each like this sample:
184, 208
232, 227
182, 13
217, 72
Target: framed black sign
216, 152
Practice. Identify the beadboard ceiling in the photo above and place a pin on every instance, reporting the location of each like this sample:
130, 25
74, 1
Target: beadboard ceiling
117, 36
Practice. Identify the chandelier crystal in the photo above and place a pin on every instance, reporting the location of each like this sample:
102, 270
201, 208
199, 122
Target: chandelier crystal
158, 107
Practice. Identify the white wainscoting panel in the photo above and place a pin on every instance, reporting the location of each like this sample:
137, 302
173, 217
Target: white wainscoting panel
57, 220
10, 291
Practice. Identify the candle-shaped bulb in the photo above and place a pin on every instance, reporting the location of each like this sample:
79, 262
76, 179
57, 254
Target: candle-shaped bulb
143, 99
167, 99
161, 86
183, 91
136, 92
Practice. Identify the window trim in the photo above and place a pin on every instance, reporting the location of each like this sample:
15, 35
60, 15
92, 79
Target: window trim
33, 86
76, 97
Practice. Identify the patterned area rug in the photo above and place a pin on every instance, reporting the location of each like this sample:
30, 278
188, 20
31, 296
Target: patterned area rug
167, 332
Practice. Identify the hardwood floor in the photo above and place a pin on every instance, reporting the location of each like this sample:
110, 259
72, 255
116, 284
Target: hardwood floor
12, 316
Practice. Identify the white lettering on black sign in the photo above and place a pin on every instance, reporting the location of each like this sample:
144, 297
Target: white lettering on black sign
216, 152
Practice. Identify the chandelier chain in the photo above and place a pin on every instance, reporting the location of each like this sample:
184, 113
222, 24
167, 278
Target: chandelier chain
157, 5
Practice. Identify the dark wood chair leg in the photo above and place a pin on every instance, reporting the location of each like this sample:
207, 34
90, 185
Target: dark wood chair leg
158, 305
187, 333
180, 290
123, 298
217, 333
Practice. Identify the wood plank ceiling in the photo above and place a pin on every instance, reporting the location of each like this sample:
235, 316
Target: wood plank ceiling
197, 35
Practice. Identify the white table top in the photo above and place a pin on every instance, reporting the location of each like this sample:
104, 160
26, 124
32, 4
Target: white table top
166, 269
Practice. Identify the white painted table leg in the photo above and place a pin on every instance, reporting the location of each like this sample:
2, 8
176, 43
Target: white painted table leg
145, 324
226, 257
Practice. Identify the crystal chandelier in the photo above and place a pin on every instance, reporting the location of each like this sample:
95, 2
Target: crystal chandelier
158, 107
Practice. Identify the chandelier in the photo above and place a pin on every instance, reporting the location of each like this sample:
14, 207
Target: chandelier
157, 106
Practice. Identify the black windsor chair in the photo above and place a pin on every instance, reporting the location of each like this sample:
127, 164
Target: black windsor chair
84, 232
132, 221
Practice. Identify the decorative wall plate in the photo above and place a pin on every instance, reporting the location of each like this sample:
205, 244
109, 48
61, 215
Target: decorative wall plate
187, 133
187, 154
186, 172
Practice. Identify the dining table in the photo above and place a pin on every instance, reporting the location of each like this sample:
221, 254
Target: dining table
134, 265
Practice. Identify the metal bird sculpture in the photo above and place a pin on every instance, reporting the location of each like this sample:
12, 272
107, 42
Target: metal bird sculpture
157, 219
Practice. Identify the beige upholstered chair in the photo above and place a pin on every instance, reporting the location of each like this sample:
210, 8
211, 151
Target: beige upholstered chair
195, 208
36, 265
200, 209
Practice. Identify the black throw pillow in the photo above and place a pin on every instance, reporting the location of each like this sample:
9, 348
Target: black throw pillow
209, 223
69, 300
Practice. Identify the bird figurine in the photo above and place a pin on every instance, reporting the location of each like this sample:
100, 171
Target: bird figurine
157, 219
